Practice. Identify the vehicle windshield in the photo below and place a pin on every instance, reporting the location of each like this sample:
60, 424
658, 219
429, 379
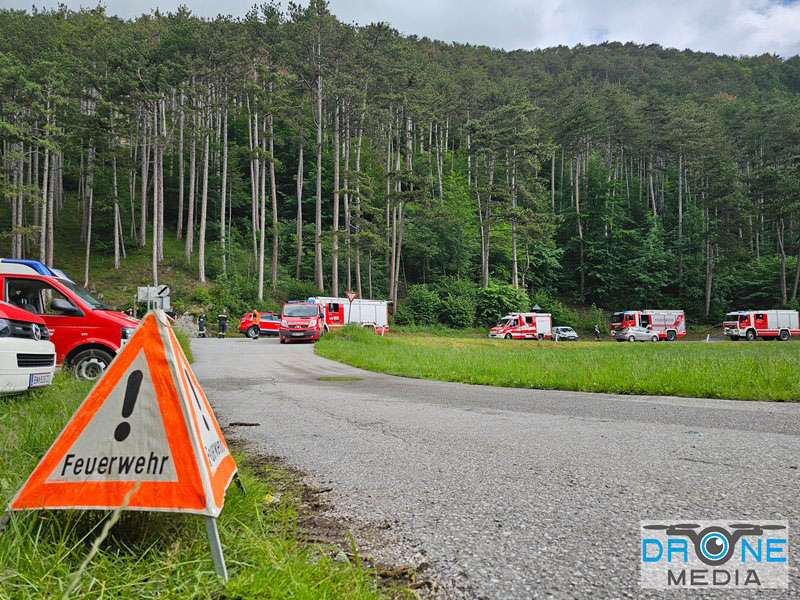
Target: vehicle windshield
732, 317
504, 322
84, 295
617, 317
300, 310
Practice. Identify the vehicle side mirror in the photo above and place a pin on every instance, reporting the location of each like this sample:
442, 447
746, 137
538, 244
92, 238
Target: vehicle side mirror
62, 306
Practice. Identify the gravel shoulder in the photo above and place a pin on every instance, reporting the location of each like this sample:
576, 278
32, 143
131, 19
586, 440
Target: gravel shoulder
500, 492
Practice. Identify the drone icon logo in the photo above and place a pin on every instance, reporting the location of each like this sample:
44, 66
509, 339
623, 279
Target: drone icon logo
714, 545
715, 554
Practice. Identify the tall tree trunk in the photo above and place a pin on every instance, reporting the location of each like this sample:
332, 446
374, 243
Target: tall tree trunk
514, 272
201, 241
553, 180
581, 267
318, 278
46, 188
299, 219
680, 223
388, 198
780, 228
181, 118
274, 197
222, 212
357, 200
56, 185
189, 233
89, 201
156, 144
335, 240
144, 178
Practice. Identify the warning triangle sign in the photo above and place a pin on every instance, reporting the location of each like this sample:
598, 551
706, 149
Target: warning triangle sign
146, 422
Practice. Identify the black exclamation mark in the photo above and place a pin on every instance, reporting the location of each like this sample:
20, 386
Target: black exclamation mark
196, 399
131, 394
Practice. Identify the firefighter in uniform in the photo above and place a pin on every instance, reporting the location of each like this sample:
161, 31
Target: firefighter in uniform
223, 324
201, 325
596, 333
257, 321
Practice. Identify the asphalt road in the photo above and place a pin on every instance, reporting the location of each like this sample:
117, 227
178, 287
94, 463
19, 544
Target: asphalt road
508, 493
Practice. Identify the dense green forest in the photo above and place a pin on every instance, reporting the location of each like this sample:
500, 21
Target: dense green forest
288, 145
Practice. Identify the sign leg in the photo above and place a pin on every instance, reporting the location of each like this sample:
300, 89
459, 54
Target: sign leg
216, 548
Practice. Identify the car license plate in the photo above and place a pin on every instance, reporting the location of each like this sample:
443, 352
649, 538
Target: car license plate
40, 379
297, 333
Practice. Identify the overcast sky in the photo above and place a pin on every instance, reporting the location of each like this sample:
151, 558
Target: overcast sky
722, 26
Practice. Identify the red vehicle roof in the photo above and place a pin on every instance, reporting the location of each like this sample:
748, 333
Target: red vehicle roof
14, 313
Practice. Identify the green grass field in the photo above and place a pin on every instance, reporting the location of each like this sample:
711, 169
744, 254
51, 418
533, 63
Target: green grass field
158, 555
736, 370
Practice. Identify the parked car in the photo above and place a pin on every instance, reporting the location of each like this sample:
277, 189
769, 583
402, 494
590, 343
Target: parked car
562, 333
636, 334
269, 324
27, 356
87, 334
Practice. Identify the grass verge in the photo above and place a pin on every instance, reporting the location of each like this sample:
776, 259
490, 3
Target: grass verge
158, 555
736, 370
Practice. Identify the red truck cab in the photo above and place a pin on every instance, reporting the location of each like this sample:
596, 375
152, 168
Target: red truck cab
86, 333
301, 321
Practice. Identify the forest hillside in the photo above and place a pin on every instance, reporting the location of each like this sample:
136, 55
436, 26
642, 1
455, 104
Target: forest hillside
254, 158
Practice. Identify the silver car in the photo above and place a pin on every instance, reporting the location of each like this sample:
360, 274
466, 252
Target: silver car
564, 333
636, 334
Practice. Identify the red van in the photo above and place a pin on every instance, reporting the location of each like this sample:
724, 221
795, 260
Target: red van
304, 320
86, 333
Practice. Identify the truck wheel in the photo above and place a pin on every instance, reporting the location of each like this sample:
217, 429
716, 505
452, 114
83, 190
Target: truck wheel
671, 335
783, 335
508, 336
631, 338
252, 332
540, 337
734, 338
750, 335
283, 341
90, 364
654, 338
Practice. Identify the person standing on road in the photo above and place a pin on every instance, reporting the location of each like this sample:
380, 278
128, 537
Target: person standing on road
596, 333
257, 321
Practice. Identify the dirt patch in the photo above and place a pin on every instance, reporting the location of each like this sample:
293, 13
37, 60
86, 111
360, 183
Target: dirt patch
339, 378
334, 534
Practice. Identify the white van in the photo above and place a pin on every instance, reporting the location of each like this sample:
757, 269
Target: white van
27, 356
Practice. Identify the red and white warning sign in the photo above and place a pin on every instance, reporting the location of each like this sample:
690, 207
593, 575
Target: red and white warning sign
146, 422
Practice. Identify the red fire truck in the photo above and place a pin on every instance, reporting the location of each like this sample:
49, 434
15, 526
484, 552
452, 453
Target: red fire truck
766, 324
367, 313
524, 326
667, 324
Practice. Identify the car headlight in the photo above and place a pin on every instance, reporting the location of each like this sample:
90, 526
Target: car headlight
312, 323
127, 332
5, 328
284, 323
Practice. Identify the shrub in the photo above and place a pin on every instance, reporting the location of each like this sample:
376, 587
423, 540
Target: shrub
458, 311
422, 305
497, 300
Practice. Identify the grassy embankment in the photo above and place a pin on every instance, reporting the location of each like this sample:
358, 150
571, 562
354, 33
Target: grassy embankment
736, 370
149, 555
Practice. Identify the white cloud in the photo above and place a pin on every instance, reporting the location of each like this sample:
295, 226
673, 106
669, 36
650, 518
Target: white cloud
721, 26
